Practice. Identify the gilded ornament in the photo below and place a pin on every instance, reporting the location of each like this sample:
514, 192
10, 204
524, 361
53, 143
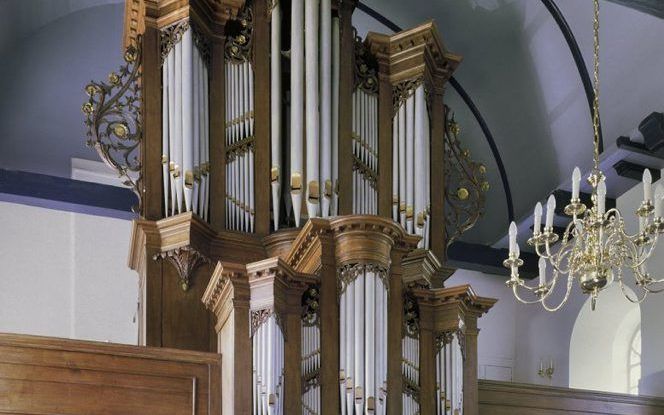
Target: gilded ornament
114, 123
462, 193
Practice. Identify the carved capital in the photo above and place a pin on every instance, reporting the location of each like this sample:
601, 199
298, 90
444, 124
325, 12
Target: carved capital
185, 260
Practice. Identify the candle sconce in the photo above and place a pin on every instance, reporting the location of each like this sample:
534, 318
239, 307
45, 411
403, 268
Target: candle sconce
546, 372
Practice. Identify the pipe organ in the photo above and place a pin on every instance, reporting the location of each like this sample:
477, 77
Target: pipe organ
294, 176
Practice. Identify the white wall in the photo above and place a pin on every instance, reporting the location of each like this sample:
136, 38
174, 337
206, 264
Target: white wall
65, 274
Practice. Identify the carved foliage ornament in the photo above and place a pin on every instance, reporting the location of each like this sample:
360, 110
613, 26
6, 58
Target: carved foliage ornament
185, 260
366, 72
349, 273
466, 184
446, 337
404, 90
259, 317
411, 316
310, 306
114, 123
172, 35
239, 33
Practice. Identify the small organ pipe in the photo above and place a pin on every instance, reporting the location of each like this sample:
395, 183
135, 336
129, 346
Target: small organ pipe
326, 106
311, 72
275, 110
335, 115
187, 118
419, 111
402, 165
197, 117
165, 145
177, 174
297, 94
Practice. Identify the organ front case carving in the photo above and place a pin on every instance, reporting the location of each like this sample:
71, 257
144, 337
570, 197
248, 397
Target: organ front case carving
293, 179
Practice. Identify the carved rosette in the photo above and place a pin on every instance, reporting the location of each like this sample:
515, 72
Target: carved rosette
466, 184
185, 260
114, 122
349, 273
366, 68
239, 33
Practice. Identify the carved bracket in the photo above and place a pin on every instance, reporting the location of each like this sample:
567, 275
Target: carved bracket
185, 260
259, 317
114, 123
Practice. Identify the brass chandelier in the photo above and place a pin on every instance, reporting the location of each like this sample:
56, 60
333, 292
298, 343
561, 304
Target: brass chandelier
594, 247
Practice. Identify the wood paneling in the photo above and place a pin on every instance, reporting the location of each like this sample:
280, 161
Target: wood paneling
42, 375
503, 398
217, 137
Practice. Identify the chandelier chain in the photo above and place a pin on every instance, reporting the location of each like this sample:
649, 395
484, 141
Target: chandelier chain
596, 84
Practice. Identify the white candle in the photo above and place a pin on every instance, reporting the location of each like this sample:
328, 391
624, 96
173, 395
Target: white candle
659, 194
542, 271
550, 209
538, 218
601, 198
512, 234
647, 185
576, 180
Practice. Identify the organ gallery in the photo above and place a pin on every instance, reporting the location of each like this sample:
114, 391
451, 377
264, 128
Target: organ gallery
299, 186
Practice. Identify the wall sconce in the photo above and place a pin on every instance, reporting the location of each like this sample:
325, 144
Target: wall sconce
546, 372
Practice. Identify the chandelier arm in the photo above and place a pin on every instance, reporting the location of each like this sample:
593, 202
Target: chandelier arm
626, 294
570, 279
564, 250
651, 290
521, 300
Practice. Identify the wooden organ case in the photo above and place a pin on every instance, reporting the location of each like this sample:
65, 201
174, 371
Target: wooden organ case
298, 190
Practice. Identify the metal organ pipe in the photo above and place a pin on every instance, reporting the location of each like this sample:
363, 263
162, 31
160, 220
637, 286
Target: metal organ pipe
326, 106
268, 367
275, 110
335, 116
185, 135
449, 375
311, 73
297, 100
363, 339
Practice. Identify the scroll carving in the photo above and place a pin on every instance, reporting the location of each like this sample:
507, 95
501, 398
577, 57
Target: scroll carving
349, 273
403, 90
411, 314
171, 36
259, 317
114, 122
310, 306
185, 260
466, 184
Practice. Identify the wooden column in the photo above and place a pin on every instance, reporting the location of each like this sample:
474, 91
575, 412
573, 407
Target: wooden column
427, 360
293, 353
151, 111
394, 335
227, 297
261, 66
346, 77
217, 136
329, 327
470, 391
385, 109
438, 239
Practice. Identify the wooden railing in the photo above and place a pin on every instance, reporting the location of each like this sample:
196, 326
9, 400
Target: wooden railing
504, 398
43, 375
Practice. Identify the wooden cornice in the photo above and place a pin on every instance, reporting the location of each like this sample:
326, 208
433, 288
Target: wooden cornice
134, 22
280, 243
187, 230
414, 53
420, 268
228, 287
211, 15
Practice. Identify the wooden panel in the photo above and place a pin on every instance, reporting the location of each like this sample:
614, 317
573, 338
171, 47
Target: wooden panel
42, 375
503, 398
217, 138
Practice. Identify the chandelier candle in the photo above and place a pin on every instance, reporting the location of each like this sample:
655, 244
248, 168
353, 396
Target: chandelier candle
594, 248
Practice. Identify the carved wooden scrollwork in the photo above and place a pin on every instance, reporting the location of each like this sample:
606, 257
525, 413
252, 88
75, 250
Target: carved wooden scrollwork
411, 316
349, 273
311, 306
403, 90
114, 123
239, 33
171, 36
259, 317
466, 184
185, 260
366, 68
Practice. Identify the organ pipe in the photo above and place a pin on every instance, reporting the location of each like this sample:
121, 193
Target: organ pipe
296, 109
185, 120
310, 364
450, 357
268, 366
362, 336
275, 110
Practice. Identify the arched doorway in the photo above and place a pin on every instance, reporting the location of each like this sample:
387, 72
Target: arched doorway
605, 347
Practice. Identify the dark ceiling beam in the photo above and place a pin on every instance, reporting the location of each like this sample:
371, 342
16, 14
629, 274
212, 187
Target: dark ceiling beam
470, 104
578, 60
489, 260
653, 7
